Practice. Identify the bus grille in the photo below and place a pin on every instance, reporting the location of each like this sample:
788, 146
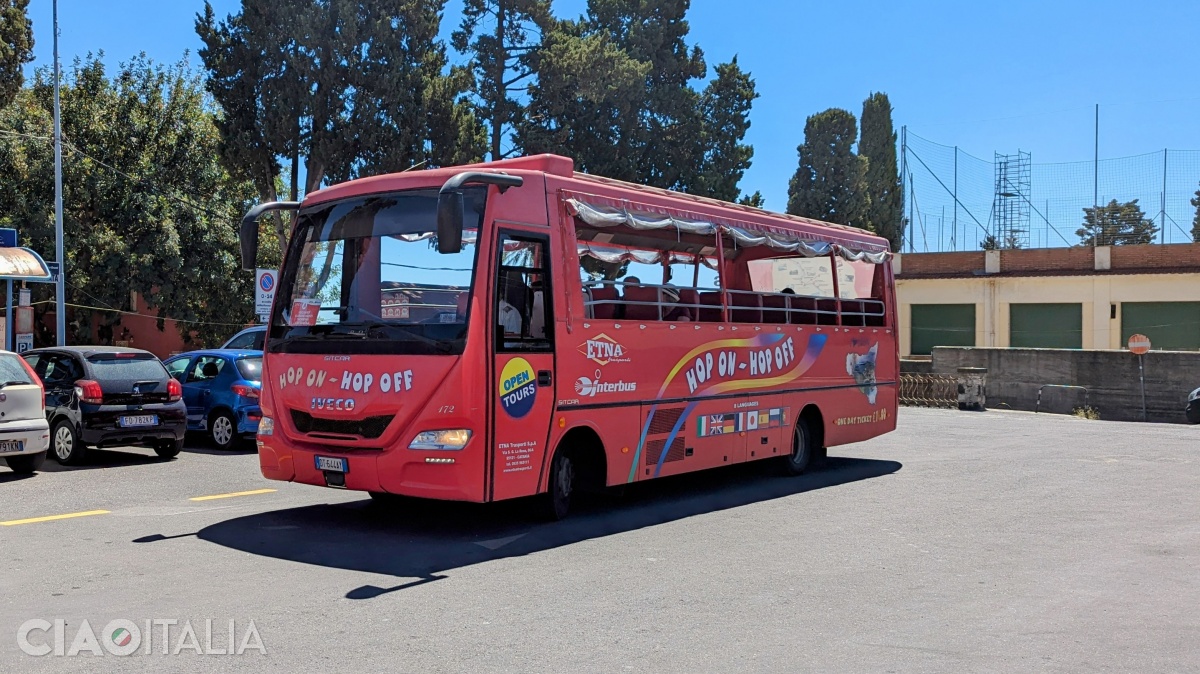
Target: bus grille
664, 420
369, 428
654, 450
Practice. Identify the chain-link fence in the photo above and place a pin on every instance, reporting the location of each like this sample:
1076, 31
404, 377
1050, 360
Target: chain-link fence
954, 200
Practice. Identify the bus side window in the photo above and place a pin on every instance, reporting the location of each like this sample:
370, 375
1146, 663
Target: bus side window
523, 300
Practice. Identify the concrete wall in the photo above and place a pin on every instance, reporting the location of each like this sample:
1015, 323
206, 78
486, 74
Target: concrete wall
916, 366
1111, 378
993, 295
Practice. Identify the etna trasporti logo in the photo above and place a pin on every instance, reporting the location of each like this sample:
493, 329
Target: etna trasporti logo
603, 350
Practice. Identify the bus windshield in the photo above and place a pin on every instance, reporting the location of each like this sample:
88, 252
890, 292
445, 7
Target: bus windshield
364, 276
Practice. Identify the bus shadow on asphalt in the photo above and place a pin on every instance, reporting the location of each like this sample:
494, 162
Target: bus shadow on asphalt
418, 539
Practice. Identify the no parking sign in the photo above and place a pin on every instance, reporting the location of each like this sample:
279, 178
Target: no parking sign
265, 281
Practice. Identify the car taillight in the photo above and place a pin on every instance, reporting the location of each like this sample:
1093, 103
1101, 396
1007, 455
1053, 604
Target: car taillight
34, 378
89, 391
174, 390
245, 390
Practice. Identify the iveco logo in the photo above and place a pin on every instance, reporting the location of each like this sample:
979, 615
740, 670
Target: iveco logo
333, 404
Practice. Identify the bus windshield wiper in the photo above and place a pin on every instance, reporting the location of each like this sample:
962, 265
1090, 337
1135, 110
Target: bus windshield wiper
15, 382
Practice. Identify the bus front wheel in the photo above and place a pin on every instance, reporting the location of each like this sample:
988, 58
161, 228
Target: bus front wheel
556, 502
797, 462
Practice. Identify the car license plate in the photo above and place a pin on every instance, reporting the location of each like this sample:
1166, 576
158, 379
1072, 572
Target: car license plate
139, 420
334, 464
10, 446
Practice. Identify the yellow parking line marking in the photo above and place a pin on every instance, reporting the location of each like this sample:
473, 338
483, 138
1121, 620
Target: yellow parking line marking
50, 518
236, 493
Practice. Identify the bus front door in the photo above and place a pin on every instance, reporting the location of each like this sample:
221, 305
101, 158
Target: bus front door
524, 361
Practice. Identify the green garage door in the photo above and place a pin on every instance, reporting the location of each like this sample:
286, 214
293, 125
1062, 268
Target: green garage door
1171, 326
942, 325
1045, 326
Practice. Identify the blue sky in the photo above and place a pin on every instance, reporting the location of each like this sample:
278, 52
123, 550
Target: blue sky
984, 76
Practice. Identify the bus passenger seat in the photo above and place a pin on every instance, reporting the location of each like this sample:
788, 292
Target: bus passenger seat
689, 300
607, 295
642, 303
752, 314
710, 299
774, 309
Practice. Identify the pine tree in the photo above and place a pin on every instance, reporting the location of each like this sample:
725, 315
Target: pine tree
349, 87
615, 91
16, 47
587, 90
725, 105
1116, 224
830, 183
878, 144
502, 38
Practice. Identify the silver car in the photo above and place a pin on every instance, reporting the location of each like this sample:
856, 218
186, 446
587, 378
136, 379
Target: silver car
24, 433
250, 338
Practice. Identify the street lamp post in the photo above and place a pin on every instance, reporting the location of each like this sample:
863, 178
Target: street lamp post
60, 308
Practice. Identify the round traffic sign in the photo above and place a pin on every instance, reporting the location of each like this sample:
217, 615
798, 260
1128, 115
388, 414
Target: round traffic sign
1139, 344
266, 282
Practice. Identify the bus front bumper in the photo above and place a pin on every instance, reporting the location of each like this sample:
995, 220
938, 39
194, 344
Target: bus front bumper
446, 475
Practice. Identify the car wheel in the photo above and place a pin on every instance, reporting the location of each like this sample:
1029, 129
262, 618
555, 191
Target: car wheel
64, 440
26, 463
802, 453
169, 449
556, 502
222, 430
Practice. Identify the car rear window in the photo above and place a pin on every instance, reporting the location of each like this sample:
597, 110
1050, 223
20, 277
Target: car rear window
251, 368
12, 371
131, 367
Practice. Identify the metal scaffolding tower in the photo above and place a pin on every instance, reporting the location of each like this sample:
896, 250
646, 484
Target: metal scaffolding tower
1010, 206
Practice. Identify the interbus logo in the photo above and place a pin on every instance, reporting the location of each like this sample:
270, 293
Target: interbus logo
588, 388
603, 349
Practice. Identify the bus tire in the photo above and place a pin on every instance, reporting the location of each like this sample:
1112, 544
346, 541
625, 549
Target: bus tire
802, 451
556, 502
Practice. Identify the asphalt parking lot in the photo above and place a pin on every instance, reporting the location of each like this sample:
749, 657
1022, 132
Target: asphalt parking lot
996, 541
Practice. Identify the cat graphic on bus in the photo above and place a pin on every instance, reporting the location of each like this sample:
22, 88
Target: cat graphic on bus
862, 368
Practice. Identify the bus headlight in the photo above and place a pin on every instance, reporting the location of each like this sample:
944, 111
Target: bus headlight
453, 439
266, 426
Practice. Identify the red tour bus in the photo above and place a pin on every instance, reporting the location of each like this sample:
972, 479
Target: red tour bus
514, 328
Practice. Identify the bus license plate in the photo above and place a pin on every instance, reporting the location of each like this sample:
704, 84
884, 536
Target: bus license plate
139, 420
333, 464
10, 446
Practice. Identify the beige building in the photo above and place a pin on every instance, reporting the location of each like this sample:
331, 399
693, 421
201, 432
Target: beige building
1075, 298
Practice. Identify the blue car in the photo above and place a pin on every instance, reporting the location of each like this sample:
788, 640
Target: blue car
220, 389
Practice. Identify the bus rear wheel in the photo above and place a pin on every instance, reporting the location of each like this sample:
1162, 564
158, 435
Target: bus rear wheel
556, 502
802, 452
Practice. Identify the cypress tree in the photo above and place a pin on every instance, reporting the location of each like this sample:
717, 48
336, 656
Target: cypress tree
885, 212
830, 182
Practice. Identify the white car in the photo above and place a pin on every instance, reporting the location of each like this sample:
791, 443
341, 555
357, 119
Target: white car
24, 433
250, 338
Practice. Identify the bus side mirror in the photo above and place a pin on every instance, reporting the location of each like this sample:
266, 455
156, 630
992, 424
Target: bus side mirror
248, 238
450, 222
248, 232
